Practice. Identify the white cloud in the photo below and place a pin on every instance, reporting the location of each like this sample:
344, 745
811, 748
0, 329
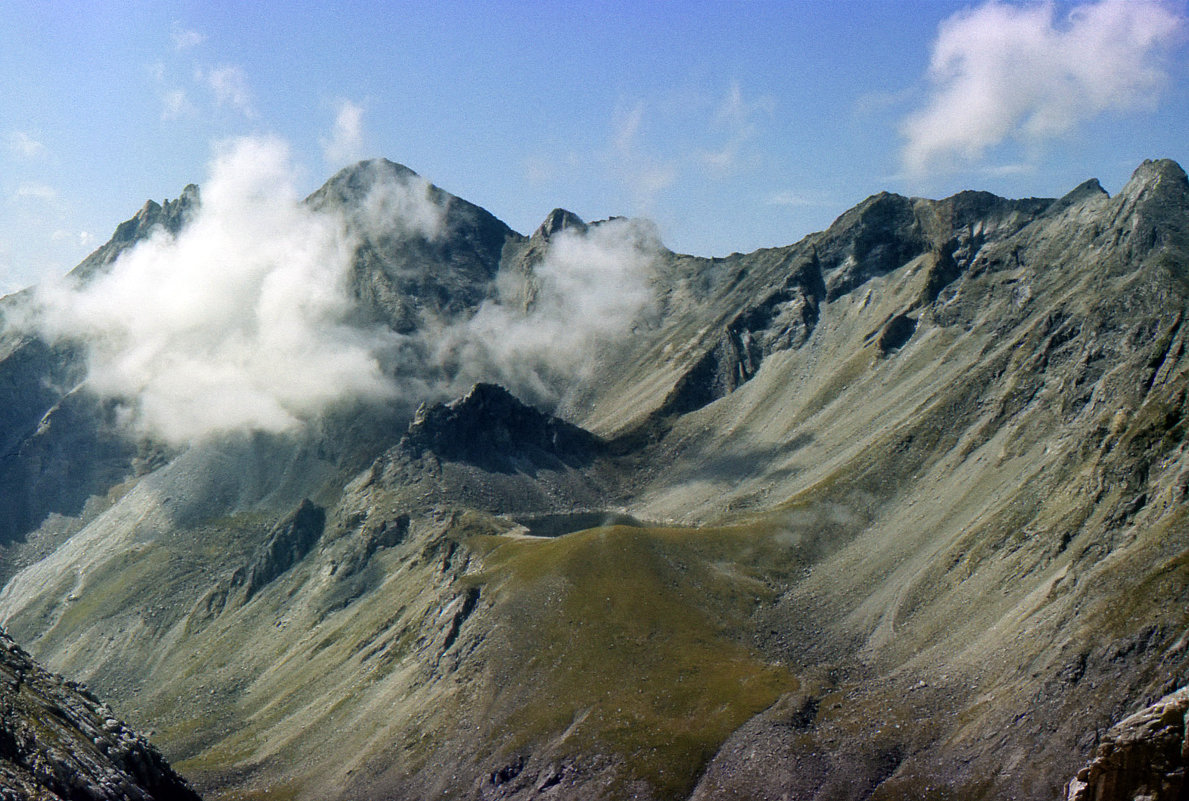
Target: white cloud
738, 118
26, 146
588, 291
36, 191
186, 39
1000, 71
398, 205
176, 104
230, 87
237, 322
345, 143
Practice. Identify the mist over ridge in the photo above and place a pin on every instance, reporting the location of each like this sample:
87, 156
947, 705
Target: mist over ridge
246, 318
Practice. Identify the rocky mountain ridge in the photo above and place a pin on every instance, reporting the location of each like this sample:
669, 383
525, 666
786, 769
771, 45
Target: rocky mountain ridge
896, 511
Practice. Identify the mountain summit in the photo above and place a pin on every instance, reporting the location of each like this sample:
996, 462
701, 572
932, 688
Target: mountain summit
895, 511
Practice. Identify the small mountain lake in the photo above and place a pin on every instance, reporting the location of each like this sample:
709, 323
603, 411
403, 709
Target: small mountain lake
560, 524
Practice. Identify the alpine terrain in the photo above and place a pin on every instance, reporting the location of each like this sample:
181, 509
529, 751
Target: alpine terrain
895, 512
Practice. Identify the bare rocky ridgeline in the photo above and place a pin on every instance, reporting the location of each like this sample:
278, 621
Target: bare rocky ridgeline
895, 512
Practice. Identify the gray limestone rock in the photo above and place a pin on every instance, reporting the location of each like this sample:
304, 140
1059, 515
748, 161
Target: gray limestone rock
1144, 756
58, 742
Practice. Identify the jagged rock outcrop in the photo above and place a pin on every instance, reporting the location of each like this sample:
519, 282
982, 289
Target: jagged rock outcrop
1142, 757
287, 543
59, 743
170, 216
490, 428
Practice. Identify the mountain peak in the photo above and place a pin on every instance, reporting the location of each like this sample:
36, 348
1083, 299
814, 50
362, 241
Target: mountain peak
559, 220
1155, 169
1089, 188
1161, 176
1156, 198
354, 182
170, 215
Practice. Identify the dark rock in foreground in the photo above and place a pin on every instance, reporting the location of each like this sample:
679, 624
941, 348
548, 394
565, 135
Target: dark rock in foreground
57, 741
1143, 756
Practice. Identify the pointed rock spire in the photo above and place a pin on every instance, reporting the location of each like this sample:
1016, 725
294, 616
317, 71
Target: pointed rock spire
559, 220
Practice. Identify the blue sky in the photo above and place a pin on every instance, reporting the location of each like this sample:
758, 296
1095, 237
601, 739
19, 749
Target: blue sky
734, 125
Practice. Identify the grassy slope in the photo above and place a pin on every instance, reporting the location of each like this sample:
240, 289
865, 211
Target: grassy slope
633, 641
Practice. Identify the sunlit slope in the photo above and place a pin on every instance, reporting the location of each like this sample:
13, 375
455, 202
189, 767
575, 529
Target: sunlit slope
911, 499
602, 663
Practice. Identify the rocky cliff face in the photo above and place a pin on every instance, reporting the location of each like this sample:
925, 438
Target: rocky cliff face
896, 511
490, 428
58, 742
1142, 756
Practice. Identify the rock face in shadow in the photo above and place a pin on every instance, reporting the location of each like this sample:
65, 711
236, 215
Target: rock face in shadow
397, 277
492, 429
72, 452
57, 741
1144, 756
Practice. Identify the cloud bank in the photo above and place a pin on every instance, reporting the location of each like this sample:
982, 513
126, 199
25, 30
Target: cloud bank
245, 319
587, 293
1000, 71
237, 322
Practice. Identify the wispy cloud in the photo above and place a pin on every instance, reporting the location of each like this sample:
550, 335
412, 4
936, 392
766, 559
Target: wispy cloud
36, 191
175, 100
185, 38
345, 143
873, 103
739, 118
645, 173
1002, 71
795, 199
229, 84
1016, 168
83, 238
175, 103
588, 290
25, 146
654, 144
